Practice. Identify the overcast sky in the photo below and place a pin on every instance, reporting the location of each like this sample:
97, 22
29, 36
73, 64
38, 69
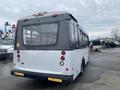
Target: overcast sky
96, 16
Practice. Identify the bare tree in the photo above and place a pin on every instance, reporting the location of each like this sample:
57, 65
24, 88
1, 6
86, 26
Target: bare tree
115, 32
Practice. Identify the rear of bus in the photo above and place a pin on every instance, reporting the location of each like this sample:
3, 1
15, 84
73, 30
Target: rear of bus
42, 48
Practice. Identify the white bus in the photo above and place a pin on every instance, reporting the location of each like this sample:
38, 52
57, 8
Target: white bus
51, 46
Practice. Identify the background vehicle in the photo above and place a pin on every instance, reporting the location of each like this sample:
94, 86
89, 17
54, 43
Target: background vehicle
6, 48
97, 45
51, 46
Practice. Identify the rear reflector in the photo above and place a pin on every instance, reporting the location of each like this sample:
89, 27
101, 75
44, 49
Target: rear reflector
54, 79
67, 69
19, 74
54, 15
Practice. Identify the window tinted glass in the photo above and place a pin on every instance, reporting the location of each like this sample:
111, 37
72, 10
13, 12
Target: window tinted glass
80, 37
72, 33
76, 34
44, 34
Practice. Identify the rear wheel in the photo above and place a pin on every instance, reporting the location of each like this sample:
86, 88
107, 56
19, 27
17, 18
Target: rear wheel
82, 67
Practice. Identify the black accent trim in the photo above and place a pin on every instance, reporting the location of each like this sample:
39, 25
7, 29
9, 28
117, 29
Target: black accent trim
43, 76
73, 18
63, 28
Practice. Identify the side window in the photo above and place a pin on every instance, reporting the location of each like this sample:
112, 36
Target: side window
85, 40
80, 38
72, 34
76, 38
84, 43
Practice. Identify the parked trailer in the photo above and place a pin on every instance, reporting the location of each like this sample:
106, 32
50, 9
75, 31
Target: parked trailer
50, 45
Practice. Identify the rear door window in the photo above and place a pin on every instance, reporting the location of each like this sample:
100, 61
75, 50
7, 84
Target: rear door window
39, 35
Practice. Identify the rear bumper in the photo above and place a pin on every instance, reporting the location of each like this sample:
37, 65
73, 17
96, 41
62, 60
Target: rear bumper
43, 76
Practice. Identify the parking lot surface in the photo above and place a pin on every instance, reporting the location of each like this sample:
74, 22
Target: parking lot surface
101, 73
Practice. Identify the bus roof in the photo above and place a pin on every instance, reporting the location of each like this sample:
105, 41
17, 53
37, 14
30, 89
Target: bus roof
47, 14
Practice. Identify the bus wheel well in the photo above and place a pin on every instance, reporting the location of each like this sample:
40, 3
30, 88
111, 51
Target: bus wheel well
82, 66
83, 62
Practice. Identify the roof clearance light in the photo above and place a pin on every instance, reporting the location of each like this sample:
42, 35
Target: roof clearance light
25, 19
38, 14
54, 15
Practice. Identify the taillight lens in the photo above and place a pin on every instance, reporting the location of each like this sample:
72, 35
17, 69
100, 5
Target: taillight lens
18, 53
63, 52
18, 56
54, 15
62, 58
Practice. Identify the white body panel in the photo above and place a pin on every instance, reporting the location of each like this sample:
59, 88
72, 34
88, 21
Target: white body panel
43, 62
76, 60
49, 61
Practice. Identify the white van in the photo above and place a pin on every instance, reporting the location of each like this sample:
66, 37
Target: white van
6, 48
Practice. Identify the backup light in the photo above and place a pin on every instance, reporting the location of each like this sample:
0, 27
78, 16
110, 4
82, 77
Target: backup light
55, 79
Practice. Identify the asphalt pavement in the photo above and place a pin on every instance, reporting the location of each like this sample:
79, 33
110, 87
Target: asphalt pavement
101, 73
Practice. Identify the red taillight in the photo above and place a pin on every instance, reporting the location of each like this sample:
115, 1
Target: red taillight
54, 15
63, 52
62, 58
18, 51
18, 56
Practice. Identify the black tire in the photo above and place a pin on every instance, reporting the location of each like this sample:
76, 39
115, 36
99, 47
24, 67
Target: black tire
82, 67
